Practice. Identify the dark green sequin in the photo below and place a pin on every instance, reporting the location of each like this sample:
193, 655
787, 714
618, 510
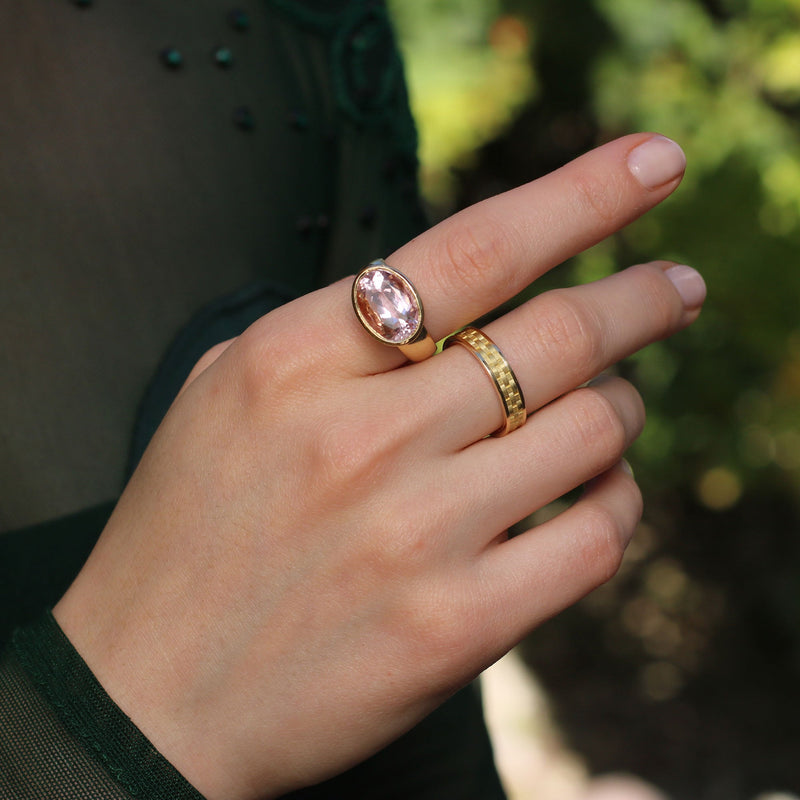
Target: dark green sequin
171, 57
223, 57
239, 20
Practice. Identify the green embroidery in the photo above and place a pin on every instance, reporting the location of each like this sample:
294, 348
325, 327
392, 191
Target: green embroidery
366, 66
322, 15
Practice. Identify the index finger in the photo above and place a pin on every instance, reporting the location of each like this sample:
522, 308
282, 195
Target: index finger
484, 255
477, 259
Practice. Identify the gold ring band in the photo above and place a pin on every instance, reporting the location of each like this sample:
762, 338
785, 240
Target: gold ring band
503, 378
388, 306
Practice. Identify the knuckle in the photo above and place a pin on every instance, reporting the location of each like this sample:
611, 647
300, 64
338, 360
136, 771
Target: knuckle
472, 248
600, 197
210, 356
598, 424
601, 543
356, 453
566, 332
435, 626
275, 360
263, 373
347, 458
411, 540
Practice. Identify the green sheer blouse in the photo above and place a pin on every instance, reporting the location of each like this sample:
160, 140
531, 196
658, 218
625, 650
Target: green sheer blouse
169, 172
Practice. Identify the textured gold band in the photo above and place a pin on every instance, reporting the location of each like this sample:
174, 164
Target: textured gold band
499, 370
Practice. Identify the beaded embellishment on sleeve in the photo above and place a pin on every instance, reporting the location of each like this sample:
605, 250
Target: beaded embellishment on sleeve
366, 66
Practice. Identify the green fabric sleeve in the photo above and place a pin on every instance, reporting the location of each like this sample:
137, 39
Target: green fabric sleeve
324, 183
61, 736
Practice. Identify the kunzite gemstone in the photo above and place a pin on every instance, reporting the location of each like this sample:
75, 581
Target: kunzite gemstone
388, 305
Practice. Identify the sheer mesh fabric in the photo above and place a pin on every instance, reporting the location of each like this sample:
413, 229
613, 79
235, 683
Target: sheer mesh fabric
61, 736
39, 760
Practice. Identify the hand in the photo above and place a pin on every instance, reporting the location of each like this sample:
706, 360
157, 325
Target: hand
312, 553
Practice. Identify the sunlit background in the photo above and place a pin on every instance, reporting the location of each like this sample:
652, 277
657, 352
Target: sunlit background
685, 670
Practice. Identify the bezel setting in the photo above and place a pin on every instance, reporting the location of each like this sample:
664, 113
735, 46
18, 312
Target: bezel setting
387, 305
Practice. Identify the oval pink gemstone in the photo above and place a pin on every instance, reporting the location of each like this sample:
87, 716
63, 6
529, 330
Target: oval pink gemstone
388, 305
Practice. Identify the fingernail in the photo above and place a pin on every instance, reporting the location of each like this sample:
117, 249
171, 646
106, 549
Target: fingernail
626, 467
657, 161
689, 284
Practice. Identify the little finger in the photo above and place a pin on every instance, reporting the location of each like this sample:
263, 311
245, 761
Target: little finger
534, 576
563, 445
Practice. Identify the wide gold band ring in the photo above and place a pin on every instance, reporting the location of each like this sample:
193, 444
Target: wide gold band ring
503, 378
388, 306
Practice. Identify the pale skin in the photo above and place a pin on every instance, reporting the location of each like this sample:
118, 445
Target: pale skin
312, 554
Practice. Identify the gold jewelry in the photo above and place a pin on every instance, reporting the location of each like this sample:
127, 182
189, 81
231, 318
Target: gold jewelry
503, 378
388, 306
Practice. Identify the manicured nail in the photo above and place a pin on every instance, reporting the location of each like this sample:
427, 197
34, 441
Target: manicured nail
656, 162
689, 283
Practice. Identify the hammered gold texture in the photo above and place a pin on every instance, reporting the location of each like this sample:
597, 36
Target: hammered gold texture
499, 370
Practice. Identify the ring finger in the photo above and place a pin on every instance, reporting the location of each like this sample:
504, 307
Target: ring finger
555, 342
567, 443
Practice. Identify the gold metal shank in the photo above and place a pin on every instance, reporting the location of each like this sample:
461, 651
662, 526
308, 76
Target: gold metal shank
499, 370
421, 348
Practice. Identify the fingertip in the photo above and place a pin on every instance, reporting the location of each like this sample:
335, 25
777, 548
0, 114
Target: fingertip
689, 284
617, 488
656, 162
567, 556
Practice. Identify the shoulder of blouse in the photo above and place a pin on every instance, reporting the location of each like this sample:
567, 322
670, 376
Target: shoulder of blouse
366, 65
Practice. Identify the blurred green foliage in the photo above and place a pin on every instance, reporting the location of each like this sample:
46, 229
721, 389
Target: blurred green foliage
468, 70
684, 668
721, 78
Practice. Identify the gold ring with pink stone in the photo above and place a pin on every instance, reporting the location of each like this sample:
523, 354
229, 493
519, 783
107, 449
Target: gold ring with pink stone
388, 306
